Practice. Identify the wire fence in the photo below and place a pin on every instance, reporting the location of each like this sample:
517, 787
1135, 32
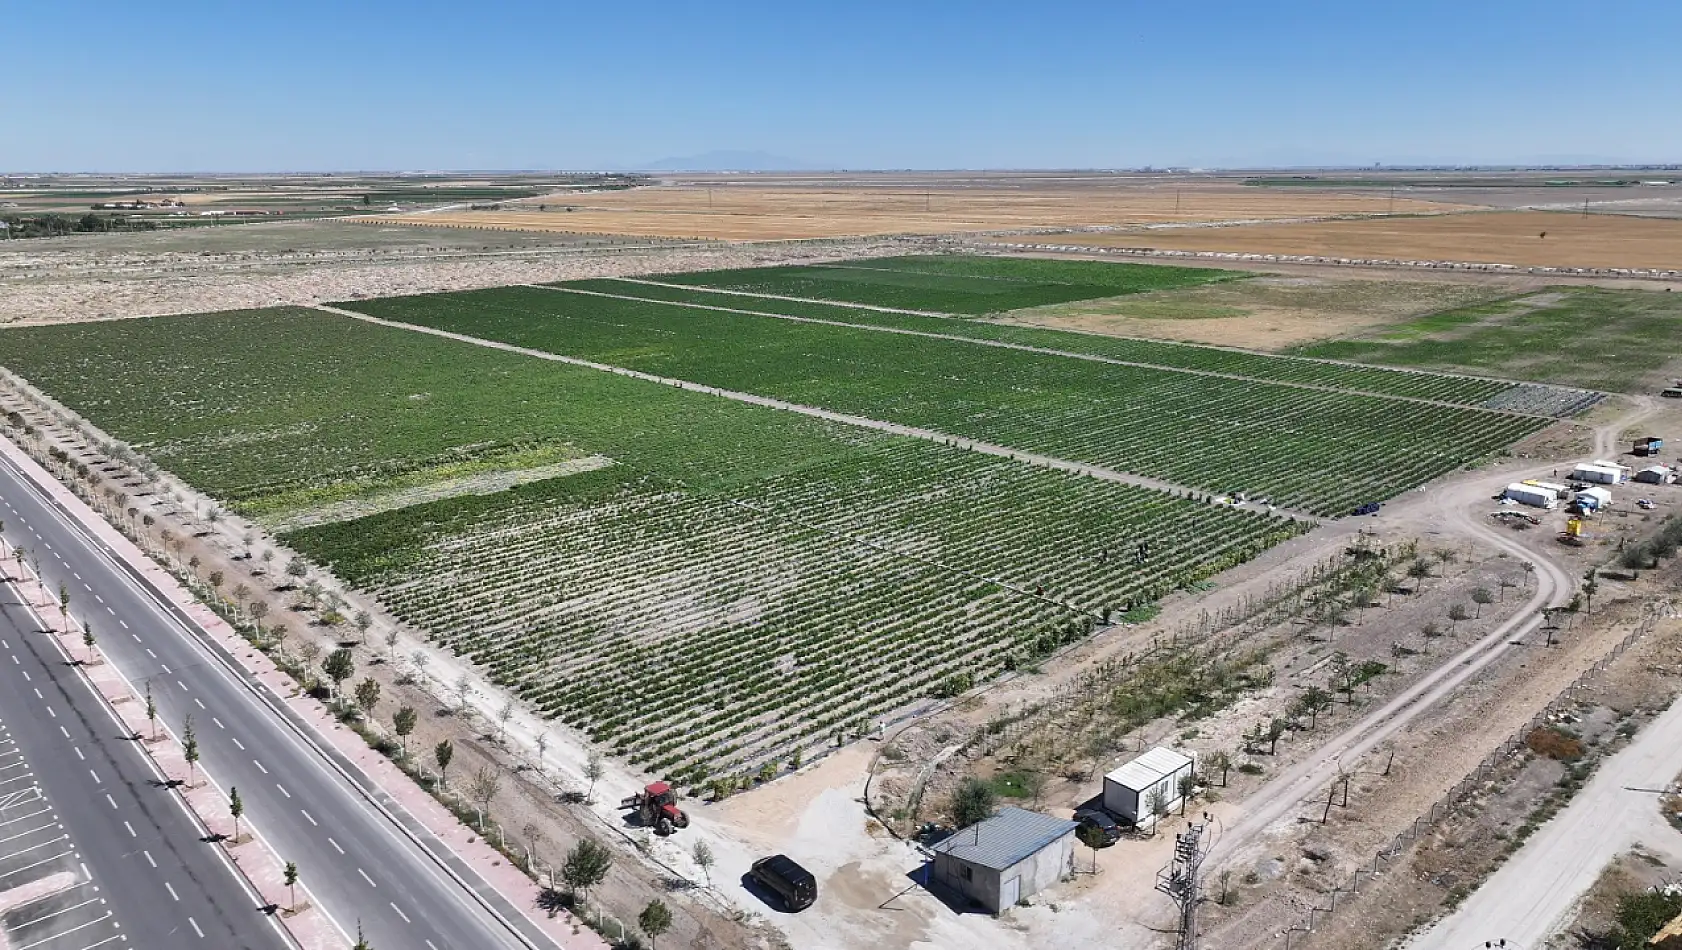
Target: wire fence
1463, 789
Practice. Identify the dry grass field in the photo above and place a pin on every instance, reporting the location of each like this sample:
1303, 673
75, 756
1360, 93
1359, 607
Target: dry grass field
748, 212
1524, 238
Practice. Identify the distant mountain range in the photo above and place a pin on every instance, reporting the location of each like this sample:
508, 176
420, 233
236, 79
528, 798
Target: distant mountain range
728, 161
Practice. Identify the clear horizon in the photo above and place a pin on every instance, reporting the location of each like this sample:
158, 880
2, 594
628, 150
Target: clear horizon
192, 87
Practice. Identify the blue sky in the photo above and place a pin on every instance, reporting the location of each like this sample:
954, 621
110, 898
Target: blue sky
305, 85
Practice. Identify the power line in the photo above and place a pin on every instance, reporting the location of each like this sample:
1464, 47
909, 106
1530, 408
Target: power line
1179, 880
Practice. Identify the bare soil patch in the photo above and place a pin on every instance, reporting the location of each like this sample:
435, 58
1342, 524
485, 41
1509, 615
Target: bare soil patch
747, 212
1269, 312
1523, 238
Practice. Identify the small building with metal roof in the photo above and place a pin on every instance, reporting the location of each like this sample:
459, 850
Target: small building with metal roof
997, 862
1128, 790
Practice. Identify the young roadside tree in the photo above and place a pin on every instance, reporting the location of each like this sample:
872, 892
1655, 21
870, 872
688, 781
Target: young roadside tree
236, 808
290, 879
464, 693
1187, 786
442, 753
1419, 569
594, 769
1482, 597
1221, 761
973, 802
63, 605
1457, 613
1590, 587
363, 621
654, 920
586, 865
391, 646
1156, 806
339, 666
486, 783
88, 640
258, 611
241, 593
503, 716
703, 855
1275, 729
361, 941
534, 841
403, 723
1090, 836
151, 710
1315, 700
190, 749
368, 695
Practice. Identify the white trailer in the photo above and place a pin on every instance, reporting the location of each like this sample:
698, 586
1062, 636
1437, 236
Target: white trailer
1655, 475
1532, 495
1128, 790
1598, 473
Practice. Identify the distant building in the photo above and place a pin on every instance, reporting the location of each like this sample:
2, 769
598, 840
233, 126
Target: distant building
997, 862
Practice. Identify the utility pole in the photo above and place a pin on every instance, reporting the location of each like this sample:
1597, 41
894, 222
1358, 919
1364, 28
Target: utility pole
1179, 881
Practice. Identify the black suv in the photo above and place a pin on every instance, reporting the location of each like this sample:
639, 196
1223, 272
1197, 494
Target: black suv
1109, 832
791, 882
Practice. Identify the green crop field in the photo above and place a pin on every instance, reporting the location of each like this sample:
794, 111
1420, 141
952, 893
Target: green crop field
1437, 387
1614, 340
955, 284
756, 579
1213, 433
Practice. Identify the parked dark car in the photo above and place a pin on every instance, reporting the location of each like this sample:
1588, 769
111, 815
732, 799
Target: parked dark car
1109, 831
789, 881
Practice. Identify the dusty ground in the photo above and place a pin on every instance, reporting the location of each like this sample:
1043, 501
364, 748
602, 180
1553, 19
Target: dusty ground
1503, 237
1271, 311
749, 210
1635, 871
89, 277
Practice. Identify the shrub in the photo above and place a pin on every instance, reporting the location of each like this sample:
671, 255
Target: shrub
1554, 743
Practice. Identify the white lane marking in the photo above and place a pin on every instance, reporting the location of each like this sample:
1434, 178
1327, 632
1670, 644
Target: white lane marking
65, 731
110, 611
238, 743
130, 828
218, 722
400, 913
149, 860
164, 665
335, 845
79, 754
259, 766
181, 684
283, 790
365, 877
199, 701
113, 801
196, 927
51, 713
308, 818
124, 624
148, 649
95, 775
26, 678
171, 889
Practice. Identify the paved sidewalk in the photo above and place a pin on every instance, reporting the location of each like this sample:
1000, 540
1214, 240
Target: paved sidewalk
250, 856
397, 788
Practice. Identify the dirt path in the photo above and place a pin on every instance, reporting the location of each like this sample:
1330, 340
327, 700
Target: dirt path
1023, 347
1281, 796
1538, 889
985, 448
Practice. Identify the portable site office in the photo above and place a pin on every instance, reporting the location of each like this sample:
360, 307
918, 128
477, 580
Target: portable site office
1127, 790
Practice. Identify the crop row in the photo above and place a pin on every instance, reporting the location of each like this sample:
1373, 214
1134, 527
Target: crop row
697, 635
1373, 380
1317, 450
956, 284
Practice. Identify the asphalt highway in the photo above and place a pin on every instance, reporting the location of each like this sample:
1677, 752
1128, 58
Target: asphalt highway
140, 873
364, 860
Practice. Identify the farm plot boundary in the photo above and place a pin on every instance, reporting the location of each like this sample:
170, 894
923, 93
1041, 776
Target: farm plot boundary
1159, 424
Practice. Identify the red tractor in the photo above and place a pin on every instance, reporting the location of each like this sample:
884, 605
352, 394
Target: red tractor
656, 807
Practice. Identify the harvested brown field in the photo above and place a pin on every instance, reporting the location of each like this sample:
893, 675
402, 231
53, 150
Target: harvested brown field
1522, 238
748, 212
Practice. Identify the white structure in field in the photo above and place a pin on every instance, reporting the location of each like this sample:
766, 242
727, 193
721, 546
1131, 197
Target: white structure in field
1656, 475
1600, 472
1127, 790
1594, 499
1534, 495
997, 862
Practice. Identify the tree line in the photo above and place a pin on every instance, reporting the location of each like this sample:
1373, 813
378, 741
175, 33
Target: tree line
58, 225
